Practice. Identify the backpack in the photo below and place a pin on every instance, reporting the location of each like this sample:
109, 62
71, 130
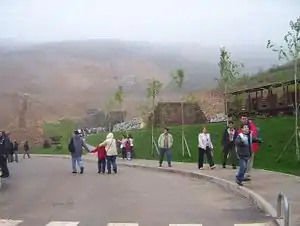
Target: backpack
71, 146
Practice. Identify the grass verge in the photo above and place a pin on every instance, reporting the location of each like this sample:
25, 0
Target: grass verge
275, 133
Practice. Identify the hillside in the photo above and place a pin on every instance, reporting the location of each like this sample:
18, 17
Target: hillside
64, 79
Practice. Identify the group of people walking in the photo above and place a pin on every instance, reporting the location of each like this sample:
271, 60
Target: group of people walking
106, 152
9, 152
239, 145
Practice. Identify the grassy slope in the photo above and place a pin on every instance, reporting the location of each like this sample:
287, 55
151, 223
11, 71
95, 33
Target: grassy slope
275, 133
64, 128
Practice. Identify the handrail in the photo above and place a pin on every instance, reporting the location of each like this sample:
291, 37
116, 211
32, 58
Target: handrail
286, 215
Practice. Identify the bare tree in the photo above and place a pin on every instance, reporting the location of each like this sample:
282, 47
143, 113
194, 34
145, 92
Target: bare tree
153, 90
178, 78
290, 51
119, 96
229, 73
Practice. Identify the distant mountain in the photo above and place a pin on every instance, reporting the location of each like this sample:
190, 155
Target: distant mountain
72, 76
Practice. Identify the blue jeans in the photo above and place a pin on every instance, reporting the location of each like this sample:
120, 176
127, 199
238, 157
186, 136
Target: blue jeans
242, 168
111, 161
101, 165
164, 151
76, 161
16, 156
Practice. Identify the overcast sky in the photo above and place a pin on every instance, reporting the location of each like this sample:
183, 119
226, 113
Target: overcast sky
221, 22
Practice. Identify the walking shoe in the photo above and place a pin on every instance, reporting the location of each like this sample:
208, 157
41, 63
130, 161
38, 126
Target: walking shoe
224, 166
200, 168
247, 179
81, 170
213, 167
160, 165
74, 172
239, 182
169, 165
115, 170
233, 167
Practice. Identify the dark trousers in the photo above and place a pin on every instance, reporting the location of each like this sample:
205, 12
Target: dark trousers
229, 149
101, 165
201, 153
123, 153
3, 166
111, 162
162, 153
26, 153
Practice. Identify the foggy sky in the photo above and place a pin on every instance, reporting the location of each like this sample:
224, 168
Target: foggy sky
208, 22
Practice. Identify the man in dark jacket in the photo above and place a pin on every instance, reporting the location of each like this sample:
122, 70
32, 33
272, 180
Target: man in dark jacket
3, 154
75, 147
26, 150
228, 143
16, 150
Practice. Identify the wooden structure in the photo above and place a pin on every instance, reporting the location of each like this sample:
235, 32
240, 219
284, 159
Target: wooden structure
269, 100
170, 113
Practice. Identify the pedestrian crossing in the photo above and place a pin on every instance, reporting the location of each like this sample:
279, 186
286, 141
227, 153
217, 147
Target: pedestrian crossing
8, 222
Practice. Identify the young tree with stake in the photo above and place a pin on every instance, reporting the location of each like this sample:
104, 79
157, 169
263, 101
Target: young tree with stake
290, 51
119, 96
179, 80
229, 71
153, 90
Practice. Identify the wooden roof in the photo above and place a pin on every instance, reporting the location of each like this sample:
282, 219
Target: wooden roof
263, 87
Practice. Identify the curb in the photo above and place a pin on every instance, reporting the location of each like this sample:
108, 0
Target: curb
255, 198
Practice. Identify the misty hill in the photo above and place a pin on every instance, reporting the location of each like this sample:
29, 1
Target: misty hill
72, 76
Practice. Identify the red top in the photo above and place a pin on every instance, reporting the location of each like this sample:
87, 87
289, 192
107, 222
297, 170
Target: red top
127, 146
100, 151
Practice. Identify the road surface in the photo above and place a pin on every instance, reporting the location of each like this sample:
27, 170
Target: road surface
41, 190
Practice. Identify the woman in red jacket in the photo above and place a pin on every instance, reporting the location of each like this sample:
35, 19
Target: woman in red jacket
101, 152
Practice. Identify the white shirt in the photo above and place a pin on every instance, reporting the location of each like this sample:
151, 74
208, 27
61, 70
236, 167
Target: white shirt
131, 142
204, 141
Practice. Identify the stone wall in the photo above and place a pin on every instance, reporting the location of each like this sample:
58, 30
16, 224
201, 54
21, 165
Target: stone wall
170, 113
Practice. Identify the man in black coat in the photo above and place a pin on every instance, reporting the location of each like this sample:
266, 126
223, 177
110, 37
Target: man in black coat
228, 143
4, 148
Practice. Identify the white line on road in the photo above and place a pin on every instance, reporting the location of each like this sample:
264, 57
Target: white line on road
253, 224
62, 223
185, 224
6, 222
123, 224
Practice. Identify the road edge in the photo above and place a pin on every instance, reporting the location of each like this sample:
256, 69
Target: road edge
245, 192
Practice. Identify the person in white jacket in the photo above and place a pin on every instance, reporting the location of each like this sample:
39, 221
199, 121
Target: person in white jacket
205, 147
110, 145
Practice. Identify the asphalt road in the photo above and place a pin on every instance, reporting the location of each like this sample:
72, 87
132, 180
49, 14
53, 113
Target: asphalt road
42, 190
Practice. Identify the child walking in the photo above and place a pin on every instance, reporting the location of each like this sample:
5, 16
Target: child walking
101, 152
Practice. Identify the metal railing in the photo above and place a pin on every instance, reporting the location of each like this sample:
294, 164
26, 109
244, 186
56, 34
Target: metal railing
286, 214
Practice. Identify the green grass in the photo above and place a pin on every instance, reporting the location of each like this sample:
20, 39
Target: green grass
275, 133
63, 128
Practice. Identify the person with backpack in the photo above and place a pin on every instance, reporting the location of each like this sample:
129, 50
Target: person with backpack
75, 148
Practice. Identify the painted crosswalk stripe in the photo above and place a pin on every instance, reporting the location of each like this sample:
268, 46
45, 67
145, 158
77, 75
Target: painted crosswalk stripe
62, 223
6, 222
122, 224
253, 224
185, 224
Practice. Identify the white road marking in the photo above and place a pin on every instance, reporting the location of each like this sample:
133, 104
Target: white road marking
122, 224
6, 222
62, 223
253, 224
185, 224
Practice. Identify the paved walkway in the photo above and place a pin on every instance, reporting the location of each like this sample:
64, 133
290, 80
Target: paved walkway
266, 184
